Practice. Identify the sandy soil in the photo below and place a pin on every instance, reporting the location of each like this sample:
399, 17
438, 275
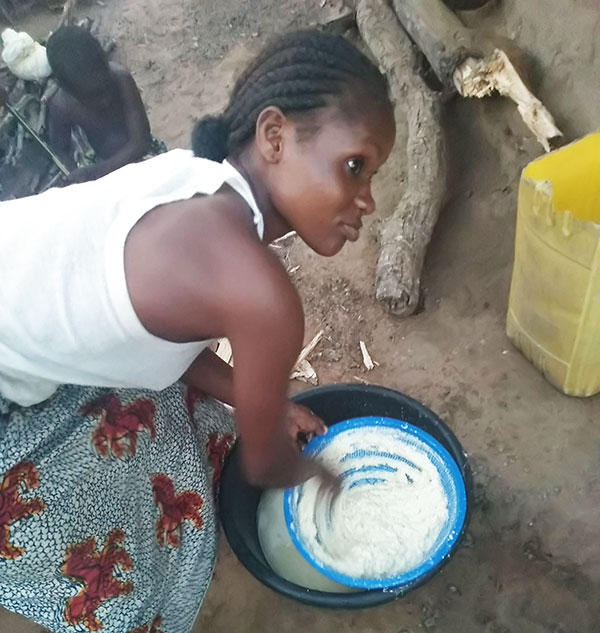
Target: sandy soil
531, 563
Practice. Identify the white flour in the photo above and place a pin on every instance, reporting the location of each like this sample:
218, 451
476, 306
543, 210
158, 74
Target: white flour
279, 550
375, 530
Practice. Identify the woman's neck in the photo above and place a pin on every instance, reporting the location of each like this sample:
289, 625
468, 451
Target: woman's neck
275, 225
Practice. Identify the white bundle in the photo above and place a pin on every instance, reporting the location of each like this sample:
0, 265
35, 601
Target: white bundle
24, 57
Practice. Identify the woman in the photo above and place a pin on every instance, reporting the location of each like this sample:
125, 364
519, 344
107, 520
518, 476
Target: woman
112, 291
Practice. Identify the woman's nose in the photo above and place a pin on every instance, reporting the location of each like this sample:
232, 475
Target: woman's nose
365, 201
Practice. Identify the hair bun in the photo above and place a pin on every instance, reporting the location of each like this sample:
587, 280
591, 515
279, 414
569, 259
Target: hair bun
209, 138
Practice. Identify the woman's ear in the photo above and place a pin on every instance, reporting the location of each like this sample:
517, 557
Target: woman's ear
269, 133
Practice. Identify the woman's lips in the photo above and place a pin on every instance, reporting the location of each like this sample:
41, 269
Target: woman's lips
350, 232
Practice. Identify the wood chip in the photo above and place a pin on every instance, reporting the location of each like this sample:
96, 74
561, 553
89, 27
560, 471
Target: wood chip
223, 350
305, 372
367, 360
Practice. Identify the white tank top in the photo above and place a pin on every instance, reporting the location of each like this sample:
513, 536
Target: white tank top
65, 312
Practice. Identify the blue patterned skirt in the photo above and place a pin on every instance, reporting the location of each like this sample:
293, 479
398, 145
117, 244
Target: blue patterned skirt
107, 509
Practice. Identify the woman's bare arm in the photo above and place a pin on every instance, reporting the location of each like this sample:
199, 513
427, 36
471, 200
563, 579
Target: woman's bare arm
213, 376
209, 277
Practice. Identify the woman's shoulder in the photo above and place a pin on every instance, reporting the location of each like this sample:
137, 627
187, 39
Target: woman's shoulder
207, 261
223, 227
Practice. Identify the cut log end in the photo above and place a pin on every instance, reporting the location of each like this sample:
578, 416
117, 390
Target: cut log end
496, 73
398, 285
397, 301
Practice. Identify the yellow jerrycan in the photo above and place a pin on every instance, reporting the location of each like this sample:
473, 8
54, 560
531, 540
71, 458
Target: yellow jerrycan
554, 304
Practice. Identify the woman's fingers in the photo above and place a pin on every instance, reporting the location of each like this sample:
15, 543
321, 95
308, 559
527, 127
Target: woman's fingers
303, 420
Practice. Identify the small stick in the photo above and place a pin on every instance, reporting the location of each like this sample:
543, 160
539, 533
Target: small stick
32, 132
6, 15
308, 350
52, 182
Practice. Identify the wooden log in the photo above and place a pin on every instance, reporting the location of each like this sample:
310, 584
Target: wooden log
404, 237
471, 66
496, 73
440, 35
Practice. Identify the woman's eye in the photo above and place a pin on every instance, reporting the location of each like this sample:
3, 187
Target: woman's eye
355, 166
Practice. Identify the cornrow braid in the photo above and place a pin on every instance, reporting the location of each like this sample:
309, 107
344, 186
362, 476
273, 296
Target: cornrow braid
289, 95
299, 72
271, 73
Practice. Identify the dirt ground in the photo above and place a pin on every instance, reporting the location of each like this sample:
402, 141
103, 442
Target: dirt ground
531, 562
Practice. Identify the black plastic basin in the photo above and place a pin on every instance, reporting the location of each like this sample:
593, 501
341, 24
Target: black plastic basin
335, 403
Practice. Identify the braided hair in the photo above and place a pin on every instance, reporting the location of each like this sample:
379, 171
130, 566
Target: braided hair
298, 72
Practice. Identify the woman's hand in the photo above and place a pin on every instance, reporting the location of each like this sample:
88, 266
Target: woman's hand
285, 466
303, 424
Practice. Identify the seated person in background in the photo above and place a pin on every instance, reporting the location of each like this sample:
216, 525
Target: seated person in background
101, 98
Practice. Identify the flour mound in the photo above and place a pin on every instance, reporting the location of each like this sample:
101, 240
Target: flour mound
373, 530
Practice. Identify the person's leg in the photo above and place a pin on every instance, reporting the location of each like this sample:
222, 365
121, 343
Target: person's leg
111, 484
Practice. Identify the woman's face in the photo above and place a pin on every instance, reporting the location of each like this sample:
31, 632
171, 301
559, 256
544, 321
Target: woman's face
322, 183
